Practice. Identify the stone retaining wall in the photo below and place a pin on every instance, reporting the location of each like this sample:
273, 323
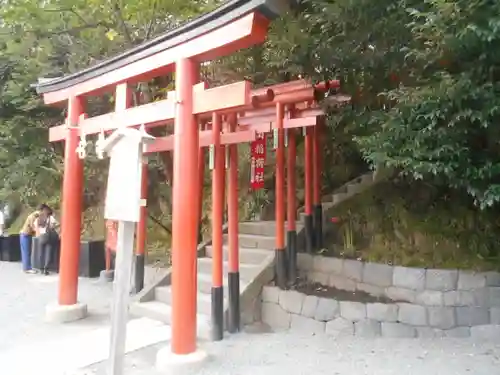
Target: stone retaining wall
475, 297
288, 309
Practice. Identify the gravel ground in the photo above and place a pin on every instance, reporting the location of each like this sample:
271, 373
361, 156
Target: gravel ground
293, 354
23, 299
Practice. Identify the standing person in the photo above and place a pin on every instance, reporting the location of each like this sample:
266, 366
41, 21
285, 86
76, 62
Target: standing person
45, 229
25, 236
2, 222
111, 243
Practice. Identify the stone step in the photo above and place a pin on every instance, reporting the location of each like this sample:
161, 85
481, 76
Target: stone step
205, 283
246, 255
203, 305
254, 241
261, 228
246, 270
163, 312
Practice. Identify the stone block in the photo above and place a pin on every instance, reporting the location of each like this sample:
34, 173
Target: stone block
409, 278
291, 301
373, 290
443, 280
494, 297
353, 311
309, 306
458, 332
441, 317
414, 315
304, 261
430, 298
471, 280
306, 325
326, 310
328, 264
339, 327
367, 328
353, 269
275, 316
318, 277
485, 332
459, 298
429, 333
495, 315
401, 294
342, 283
270, 294
377, 274
492, 278
482, 297
397, 330
382, 312
472, 316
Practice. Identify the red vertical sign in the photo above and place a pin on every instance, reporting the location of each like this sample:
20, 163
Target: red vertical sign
258, 160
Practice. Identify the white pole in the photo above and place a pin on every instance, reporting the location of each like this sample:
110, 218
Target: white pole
121, 289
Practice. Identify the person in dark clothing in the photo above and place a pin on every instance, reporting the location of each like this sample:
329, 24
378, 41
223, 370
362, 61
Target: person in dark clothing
45, 228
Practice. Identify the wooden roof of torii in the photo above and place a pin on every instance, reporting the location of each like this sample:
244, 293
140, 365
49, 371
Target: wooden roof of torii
234, 25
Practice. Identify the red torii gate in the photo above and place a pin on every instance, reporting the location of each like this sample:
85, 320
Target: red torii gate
237, 24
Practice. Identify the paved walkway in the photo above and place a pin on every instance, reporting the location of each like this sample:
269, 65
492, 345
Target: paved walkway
29, 346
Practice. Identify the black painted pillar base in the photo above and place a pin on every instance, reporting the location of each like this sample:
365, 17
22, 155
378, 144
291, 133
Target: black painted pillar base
292, 255
318, 227
281, 268
233, 324
139, 272
217, 313
309, 233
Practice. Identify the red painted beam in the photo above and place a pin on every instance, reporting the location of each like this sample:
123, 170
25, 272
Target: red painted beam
242, 33
161, 144
160, 112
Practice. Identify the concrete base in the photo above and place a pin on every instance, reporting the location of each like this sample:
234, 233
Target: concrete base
177, 364
65, 313
107, 276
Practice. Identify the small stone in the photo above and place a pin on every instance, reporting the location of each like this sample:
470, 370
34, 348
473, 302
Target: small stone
306, 325
353, 311
318, 277
373, 290
397, 330
492, 278
291, 301
342, 283
275, 316
309, 306
328, 264
485, 332
430, 298
429, 333
304, 261
326, 310
414, 315
409, 278
340, 327
441, 317
377, 274
443, 280
353, 269
382, 312
472, 316
495, 315
401, 294
367, 328
459, 332
494, 297
270, 294
471, 280
459, 298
